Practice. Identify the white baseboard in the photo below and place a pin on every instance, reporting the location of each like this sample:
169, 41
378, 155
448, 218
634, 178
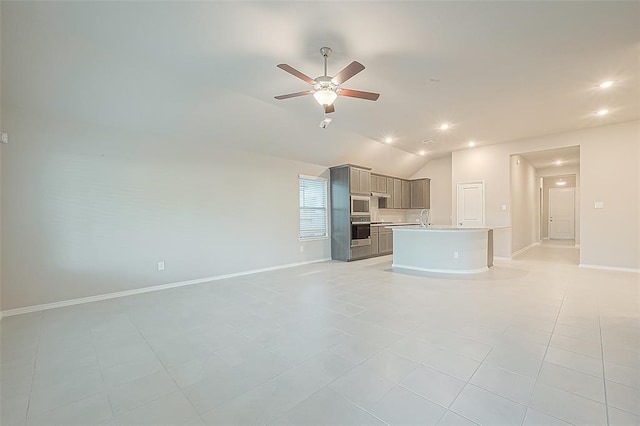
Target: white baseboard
99, 297
609, 268
501, 258
522, 250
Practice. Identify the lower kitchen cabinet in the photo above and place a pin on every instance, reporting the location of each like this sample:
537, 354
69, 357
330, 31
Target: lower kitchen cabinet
360, 252
374, 240
381, 241
385, 241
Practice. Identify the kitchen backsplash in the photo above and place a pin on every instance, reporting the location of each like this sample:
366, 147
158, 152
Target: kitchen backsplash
393, 215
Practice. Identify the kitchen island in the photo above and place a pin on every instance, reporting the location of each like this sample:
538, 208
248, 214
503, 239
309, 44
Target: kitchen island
442, 249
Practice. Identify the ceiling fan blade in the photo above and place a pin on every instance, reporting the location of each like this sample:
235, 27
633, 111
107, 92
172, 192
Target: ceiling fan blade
292, 70
329, 108
358, 94
294, 95
349, 71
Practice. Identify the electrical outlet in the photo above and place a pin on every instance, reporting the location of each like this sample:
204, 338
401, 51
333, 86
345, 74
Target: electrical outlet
160, 266
4, 137
301, 249
598, 205
455, 254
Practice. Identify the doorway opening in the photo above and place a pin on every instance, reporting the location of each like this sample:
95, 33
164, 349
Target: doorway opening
545, 193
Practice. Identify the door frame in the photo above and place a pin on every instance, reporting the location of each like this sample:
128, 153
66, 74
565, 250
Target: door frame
573, 189
484, 212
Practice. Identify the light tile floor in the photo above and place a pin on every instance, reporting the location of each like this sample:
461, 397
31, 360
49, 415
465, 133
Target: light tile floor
533, 341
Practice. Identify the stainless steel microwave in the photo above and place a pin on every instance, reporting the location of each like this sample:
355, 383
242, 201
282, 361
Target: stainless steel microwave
360, 205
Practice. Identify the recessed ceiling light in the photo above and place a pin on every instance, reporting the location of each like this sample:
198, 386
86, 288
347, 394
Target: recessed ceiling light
471, 143
606, 84
557, 162
388, 139
422, 152
602, 112
444, 126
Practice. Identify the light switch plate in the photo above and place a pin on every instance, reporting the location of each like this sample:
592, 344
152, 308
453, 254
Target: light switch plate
4, 137
504, 207
598, 205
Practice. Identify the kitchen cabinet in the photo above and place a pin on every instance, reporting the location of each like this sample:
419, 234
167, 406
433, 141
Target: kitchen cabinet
382, 184
365, 182
374, 183
397, 193
403, 194
359, 181
406, 194
389, 201
421, 193
378, 184
385, 241
360, 252
374, 240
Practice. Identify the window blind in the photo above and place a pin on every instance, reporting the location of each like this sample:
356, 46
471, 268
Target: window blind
313, 207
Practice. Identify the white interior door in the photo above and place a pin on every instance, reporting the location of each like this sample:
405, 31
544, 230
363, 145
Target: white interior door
471, 204
562, 213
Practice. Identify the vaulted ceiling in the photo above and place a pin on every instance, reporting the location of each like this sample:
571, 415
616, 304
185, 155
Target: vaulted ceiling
496, 71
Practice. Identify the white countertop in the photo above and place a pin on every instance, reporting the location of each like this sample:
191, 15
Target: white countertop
440, 228
394, 224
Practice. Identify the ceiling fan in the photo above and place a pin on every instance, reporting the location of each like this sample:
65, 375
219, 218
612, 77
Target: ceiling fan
325, 88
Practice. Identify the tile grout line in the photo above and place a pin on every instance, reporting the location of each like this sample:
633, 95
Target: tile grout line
395, 384
93, 343
165, 369
469, 382
33, 373
535, 383
604, 376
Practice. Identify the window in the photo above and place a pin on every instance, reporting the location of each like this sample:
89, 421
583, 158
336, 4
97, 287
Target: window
313, 207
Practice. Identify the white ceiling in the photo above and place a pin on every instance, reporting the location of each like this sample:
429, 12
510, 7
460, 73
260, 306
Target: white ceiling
497, 71
569, 156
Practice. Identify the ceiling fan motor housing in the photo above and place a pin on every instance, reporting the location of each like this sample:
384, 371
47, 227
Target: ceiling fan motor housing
324, 82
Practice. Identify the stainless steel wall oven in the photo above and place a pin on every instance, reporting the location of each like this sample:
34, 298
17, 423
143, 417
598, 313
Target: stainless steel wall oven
360, 231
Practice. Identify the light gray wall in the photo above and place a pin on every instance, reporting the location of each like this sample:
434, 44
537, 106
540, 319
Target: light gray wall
1, 149
609, 163
89, 210
525, 202
439, 171
609, 172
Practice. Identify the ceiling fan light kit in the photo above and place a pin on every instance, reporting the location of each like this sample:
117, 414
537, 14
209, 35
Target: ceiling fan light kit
325, 97
326, 89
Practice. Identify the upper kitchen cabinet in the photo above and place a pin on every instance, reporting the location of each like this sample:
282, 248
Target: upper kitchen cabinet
389, 201
405, 202
378, 184
397, 193
359, 181
420, 193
